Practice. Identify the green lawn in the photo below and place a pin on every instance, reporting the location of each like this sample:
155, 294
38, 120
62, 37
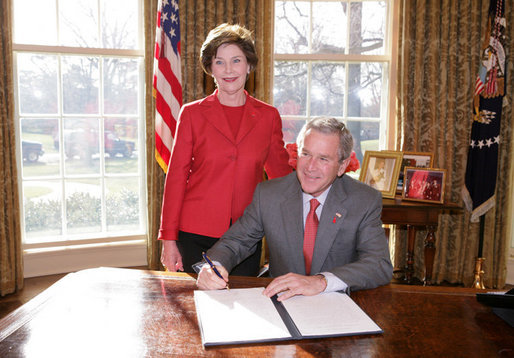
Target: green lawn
369, 145
35, 191
48, 168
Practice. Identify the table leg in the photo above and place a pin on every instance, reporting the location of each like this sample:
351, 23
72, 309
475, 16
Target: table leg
409, 268
429, 254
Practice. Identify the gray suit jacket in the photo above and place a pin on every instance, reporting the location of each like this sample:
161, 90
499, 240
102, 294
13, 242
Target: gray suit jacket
350, 241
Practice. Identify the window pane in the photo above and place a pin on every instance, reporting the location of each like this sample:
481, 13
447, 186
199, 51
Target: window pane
37, 83
120, 24
327, 71
79, 118
30, 16
42, 207
329, 27
367, 27
81, 146
365, 136
291, 128
83, 206
327, 89
80, 81
40, 156
121, 83
290, 87
292, 26
122, 204
365, 92
78, 23
120, 139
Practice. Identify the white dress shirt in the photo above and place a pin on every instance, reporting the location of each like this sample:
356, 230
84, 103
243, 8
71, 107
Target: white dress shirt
334, 283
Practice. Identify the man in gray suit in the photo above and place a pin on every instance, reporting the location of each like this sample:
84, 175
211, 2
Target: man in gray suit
350, 251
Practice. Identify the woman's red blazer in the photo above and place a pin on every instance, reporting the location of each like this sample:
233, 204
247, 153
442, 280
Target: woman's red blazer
212, 175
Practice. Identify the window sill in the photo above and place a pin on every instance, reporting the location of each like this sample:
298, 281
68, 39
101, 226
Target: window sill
50, 261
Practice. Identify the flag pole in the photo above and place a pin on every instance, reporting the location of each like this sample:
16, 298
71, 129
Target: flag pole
481, 235
482, 164
479, 272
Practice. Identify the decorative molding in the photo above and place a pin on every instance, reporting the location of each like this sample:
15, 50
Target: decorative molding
70, 259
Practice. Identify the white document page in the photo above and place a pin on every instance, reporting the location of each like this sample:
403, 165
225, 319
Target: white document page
238, 315
331, 313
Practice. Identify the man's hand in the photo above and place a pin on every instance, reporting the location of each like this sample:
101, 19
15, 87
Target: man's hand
293, 284
170, 256
208, 280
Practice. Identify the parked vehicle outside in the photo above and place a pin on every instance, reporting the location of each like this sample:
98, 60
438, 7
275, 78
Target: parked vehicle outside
115, 145
31, 150
84, 144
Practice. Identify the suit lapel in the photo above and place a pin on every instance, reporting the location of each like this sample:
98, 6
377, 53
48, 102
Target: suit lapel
214, 114
332, 219
249, 120
292, 214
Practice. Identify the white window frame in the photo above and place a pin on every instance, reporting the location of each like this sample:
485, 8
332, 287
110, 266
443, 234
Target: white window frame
388, 131
93, 251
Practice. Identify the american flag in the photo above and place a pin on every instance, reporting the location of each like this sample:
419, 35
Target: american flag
482, 165
167, 79
479, 86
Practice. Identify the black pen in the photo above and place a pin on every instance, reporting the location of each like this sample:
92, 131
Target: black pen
208, 260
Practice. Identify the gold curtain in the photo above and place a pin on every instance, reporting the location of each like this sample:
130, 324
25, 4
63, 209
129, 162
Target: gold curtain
197, 18
154, 174
11, 264
439, 54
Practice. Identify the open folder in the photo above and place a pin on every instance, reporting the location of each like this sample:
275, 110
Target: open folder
239, 316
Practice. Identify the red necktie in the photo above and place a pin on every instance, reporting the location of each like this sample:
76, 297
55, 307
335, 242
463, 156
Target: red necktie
309, 236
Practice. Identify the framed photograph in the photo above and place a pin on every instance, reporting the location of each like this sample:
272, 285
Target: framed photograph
380, 170
417, 159
424, 184
414, 159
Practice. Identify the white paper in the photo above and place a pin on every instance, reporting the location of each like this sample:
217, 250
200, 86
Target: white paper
328, 314
238, 315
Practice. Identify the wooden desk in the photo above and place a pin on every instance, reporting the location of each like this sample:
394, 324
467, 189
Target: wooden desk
131, 313
417, 214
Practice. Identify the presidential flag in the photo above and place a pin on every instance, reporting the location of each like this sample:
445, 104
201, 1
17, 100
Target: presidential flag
481, 169
167, 79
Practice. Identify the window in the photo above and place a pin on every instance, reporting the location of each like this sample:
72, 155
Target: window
79, 92
333, 58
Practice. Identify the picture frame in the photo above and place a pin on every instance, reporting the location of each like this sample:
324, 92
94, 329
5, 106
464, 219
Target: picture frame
424, 184
380, 170
414, 159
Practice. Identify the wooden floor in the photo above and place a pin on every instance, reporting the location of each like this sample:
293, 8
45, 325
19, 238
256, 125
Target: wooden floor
32, 287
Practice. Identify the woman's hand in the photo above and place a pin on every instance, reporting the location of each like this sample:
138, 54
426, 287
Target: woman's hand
170, 256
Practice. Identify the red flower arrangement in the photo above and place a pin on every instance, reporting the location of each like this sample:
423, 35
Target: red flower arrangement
292, 150
354, 163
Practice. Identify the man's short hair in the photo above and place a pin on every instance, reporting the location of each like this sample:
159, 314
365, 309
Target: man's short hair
329, 125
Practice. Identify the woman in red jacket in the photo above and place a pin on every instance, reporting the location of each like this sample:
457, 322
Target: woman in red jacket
222, 145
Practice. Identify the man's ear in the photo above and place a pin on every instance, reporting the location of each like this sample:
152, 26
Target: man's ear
342, 167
